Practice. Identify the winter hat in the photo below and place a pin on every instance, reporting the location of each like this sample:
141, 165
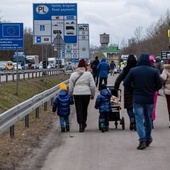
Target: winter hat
82, 63
103, 86
169, 61
63, 86
152, 59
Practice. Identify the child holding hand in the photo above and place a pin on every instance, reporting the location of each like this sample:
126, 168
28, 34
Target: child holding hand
62, 104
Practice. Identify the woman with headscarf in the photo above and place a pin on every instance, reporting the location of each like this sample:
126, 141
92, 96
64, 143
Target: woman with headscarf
82, 87
131, 62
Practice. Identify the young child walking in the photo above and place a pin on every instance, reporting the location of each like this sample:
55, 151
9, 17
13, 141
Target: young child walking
103, 103
62, 104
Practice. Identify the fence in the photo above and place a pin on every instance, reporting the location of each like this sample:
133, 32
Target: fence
9, 118
23, 74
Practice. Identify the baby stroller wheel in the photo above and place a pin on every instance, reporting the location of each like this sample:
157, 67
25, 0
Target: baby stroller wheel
123, 123
116, 124
99, 124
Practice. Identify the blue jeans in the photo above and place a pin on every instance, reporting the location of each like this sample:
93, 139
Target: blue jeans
143, 114
64, 120
104, 118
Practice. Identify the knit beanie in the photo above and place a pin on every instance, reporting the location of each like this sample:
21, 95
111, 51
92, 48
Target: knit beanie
152, 59
82, 63
63, 86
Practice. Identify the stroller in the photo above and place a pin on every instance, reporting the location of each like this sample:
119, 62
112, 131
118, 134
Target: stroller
115, 114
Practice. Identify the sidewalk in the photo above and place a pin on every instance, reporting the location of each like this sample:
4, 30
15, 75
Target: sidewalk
113, 150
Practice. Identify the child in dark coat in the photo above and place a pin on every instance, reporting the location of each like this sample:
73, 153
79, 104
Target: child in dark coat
62, 104
103, 103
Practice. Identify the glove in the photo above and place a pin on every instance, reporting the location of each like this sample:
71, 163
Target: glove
92, 97
54, 109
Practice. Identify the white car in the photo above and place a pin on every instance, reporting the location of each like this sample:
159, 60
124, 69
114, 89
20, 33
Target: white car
15, 66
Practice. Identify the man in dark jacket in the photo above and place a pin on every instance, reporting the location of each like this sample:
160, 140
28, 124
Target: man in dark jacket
94, 65
143, 81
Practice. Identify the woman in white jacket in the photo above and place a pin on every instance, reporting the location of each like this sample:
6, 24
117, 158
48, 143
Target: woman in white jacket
165, 76
82, 87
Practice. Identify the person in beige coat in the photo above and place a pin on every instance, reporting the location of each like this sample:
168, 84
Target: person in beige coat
82, 87
165, 76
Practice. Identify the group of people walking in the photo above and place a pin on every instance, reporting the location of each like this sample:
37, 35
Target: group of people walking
140, 80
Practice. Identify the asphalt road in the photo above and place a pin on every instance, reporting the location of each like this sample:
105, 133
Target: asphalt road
113, 150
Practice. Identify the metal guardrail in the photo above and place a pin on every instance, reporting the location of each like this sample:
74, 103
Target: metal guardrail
6, 76
13, 115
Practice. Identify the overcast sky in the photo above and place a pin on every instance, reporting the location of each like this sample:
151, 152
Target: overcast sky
119, 18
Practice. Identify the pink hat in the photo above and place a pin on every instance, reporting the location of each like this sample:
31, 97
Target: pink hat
152, 59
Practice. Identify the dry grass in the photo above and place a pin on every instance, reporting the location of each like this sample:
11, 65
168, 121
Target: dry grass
13, 149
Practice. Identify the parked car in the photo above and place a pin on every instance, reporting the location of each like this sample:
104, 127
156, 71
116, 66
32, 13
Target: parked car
15, 66
3, 66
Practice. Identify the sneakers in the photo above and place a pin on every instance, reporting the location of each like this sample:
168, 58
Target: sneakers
142, 145
102, 127
148, 142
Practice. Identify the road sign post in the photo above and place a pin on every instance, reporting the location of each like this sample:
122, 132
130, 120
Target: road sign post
11, 38
58, 44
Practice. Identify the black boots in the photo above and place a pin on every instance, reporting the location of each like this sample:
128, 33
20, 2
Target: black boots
132, 124
81, 127
67, 128
142, 145
148, 142
62, 129
102, 127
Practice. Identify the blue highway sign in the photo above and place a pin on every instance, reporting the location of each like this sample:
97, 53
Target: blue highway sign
50, 19
11, 36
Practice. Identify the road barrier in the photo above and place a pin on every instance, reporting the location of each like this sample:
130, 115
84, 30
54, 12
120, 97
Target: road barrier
6, 76
9, 118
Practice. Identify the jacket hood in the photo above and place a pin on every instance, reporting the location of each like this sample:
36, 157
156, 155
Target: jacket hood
63, 93
103, 60
105, 92
80, 70
144, 60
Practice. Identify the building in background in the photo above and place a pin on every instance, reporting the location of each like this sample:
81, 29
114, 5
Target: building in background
104, 40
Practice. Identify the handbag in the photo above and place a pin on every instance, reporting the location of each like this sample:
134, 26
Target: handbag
71, 93
77, 78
